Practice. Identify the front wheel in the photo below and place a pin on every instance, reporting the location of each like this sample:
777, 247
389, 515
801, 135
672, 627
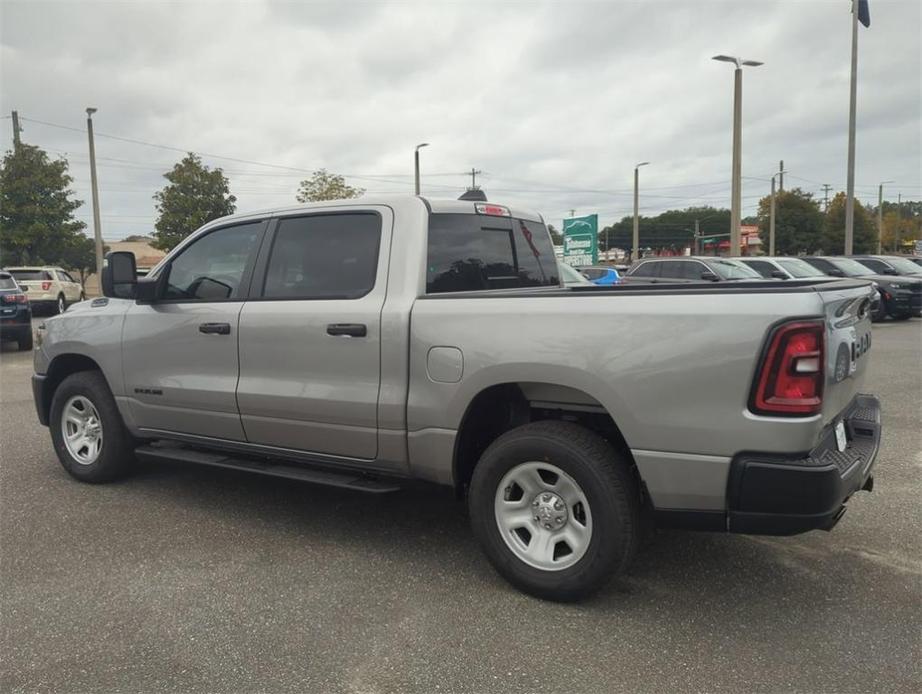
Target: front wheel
902, 316
87, 430
556, 509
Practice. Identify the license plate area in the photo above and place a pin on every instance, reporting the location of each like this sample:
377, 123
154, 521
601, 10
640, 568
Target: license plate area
841, 438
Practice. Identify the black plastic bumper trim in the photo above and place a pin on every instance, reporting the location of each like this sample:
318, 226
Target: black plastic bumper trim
773, 495
38, 394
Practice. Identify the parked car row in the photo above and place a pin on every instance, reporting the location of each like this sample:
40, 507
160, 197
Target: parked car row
898, 280
48, 287
15, 312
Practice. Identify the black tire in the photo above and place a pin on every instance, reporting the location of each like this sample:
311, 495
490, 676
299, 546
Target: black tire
116, 456
25, 342
82, 296
610, 489
902, 316
60, 305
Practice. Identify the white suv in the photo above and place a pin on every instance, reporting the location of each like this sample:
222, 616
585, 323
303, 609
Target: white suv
48, 287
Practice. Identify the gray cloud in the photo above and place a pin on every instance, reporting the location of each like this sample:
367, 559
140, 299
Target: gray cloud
555, 102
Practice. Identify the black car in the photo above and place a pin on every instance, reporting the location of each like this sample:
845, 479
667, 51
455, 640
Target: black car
901, 296
689, 269
889, 265
15, 313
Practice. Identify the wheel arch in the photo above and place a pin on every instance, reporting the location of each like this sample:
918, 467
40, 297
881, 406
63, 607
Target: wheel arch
501, 407
60, 368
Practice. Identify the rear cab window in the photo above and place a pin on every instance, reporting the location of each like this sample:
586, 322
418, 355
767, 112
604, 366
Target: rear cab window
7, 282
471, 252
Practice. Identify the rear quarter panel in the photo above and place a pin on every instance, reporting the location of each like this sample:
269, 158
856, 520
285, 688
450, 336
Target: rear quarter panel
674, 371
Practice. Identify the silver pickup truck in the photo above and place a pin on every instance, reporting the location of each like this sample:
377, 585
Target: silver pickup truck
369, 342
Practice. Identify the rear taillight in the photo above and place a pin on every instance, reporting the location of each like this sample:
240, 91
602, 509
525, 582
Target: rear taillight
14, 299
791, 375
46, 286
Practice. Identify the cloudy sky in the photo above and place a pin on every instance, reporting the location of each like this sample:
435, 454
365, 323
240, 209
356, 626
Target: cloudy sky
553, 101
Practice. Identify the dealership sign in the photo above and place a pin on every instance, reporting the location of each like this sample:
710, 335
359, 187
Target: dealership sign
580, 240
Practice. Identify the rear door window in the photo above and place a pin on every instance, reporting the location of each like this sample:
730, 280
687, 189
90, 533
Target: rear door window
7, 282
470, 252
681, 270
324, 256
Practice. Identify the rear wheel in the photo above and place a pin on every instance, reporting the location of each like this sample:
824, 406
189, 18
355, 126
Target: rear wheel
87, 430
61, 304
902, 316
556, 509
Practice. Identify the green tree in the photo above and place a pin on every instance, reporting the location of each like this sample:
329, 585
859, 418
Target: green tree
36, 207
79, 255
672, 230
906, 219
798, 222
323, 185
865, 228
195, 195
556, 236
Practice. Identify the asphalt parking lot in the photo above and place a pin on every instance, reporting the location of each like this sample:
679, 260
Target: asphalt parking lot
197, 580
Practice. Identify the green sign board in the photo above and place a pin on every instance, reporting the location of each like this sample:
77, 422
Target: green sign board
581, 240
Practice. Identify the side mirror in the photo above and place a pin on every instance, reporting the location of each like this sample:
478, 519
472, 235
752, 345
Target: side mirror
889, 271
709, 276
119, 275
779, 274
150, 289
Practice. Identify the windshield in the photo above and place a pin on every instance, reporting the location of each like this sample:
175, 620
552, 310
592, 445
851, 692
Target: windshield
904, 265
570, 275
732, 270
7, 282
850, 268
796, 267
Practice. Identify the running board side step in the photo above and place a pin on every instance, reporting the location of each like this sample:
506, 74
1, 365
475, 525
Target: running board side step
343, 479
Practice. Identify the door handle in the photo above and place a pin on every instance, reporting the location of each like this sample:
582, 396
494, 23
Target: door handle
347, 329
215, 328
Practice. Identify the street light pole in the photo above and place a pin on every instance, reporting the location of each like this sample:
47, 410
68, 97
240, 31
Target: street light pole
880, 214
416, 163
635, 252
850, 181
771, 216
97, 229
736, 182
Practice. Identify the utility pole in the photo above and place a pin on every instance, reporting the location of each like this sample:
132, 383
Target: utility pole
697, 236
826, 189
635, 249
771, 216
16, 130
97, 229
771, 223
572, 213
781, 175
736, 182
899, 222
474, 178
850, 184
880, 214
416, 164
